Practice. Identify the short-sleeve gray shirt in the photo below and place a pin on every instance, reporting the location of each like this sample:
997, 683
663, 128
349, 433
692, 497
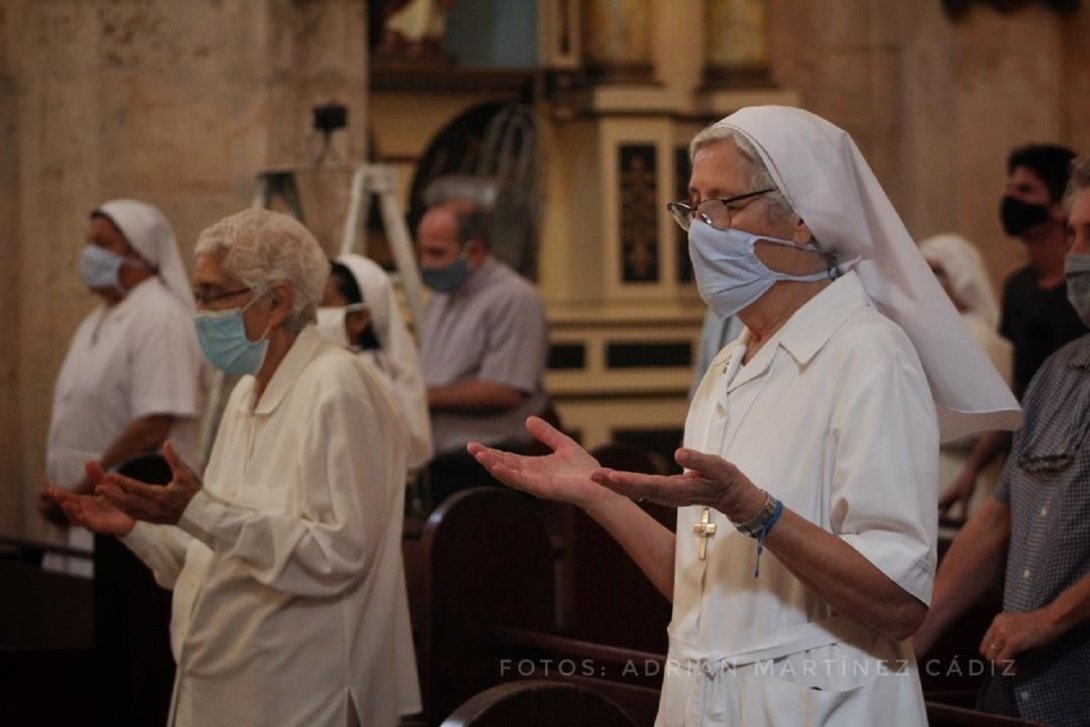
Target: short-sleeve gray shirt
492, 328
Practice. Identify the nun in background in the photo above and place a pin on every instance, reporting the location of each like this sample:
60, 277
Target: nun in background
359, 311
132, 375
958, 266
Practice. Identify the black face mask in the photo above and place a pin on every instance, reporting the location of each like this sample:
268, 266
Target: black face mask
1018, 216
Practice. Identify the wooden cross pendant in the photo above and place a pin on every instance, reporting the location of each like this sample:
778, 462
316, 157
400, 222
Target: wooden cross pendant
704, 530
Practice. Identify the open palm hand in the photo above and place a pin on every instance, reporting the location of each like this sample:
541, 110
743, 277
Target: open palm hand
563, 475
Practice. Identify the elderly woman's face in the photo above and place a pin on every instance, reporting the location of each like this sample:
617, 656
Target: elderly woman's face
215, 290
719, 170
718, 173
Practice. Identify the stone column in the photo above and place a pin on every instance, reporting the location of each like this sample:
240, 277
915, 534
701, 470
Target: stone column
178, 104
736, 43
617, 40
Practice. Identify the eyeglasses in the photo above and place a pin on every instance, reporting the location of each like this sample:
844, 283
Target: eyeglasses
715, 212
207, 297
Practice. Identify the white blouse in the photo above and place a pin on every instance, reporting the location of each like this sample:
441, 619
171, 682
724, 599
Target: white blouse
834, 417
289, 593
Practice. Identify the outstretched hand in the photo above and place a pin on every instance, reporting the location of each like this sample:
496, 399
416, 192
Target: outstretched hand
563, 475
151, 503
707, 480
48, 506
91, 511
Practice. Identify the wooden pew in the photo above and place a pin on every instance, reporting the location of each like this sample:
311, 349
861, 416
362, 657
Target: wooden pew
132, 624
483, 560
538, 704
480, 575
606, 598
945, 715
953, 672
632, 679
46, 653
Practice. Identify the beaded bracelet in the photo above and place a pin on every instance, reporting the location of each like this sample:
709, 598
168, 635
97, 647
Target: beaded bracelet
763, 533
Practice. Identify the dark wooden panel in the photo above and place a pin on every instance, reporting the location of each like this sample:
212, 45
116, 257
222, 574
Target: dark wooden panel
648, 354
681, 193
637, 178
567, 356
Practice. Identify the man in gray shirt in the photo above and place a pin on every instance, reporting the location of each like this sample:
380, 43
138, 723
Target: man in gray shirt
483, 345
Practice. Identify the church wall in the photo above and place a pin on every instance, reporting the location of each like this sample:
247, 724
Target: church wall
10, 493
1010, 92
175, 103
1076, 80
935, 104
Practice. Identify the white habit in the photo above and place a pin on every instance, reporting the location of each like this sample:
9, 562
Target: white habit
397, 359
834, 417
289, 594
131, 360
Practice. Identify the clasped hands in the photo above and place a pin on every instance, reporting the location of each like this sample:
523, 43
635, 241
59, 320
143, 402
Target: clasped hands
570, 474
119, 501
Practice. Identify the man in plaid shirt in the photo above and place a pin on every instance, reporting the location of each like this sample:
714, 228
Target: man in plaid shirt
1039, 519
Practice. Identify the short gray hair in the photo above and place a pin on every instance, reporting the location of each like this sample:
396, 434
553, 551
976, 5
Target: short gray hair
756, 173
262, 248
1079, 181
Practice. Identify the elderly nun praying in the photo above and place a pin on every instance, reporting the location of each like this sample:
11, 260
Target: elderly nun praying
289, 602
805, 545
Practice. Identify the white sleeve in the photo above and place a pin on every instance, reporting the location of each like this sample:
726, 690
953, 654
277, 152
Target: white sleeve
885, 480
166, 365
161, 547
349, 465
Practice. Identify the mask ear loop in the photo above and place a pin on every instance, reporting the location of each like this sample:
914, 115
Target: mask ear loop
268, 326
831, 265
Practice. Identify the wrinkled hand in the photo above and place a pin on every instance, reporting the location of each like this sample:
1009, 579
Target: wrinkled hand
48, 507
92, 512
563, 475
151, 503
960, 492
1012, 633
708, 480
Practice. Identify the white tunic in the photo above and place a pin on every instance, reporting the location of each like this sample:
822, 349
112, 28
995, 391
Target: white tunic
834, 417
289, 594
134, 359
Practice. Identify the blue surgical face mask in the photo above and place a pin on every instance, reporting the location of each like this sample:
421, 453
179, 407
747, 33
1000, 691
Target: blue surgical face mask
729, 275
222, 335
100, 268
446, 279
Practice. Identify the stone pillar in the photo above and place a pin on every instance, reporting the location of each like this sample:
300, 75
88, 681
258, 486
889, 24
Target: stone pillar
617, 40
736, 43
178, 104
11, 496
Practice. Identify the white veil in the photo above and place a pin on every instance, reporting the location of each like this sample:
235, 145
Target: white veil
148, 231
829, 184
400, 358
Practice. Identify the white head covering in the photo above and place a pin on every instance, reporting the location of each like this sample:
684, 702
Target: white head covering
148, 231
829, 184
399, 358
963, 267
